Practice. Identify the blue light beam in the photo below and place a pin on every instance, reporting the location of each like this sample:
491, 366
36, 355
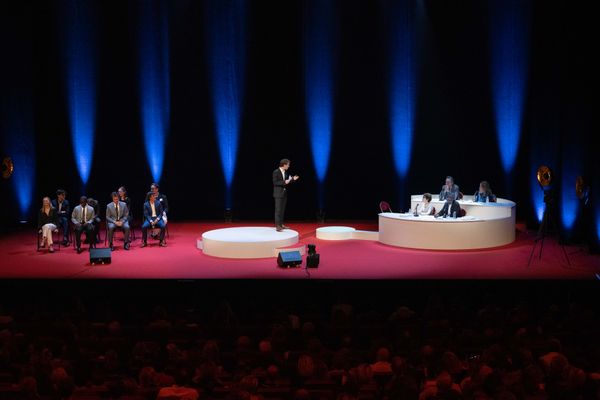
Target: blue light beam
154, 81
510, 23
18, 132
81, 82
403, 59
318, 81
225, 32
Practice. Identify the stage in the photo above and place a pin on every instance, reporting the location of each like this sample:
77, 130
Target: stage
346, 259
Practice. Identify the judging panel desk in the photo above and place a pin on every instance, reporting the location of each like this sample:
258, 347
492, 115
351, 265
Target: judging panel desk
485, 225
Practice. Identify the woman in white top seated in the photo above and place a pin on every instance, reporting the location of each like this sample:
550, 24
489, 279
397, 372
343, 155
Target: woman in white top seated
425, 208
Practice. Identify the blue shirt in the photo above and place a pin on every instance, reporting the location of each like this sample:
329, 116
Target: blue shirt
481, 197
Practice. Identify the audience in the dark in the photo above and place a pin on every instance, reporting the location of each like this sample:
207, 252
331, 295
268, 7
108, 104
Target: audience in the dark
446, 350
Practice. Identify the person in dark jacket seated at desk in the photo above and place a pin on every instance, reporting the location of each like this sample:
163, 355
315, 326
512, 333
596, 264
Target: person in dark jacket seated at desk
153, 217
484, 194
450, 187
63, 211
451, 207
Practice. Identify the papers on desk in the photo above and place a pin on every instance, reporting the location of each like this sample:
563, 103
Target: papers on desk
410, 216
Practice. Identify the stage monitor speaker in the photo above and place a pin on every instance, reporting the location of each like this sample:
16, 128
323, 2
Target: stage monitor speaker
100, 256
287, 259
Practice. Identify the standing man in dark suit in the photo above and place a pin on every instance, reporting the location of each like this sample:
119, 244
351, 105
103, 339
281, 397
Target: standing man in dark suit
281, 179
63, 211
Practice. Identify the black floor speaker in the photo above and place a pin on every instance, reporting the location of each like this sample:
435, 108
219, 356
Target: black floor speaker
100, 256
287, 259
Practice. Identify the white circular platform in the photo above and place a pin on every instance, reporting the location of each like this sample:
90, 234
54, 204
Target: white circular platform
335, 232
247, 242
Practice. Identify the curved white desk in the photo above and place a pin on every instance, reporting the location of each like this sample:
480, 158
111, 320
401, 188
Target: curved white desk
485, 225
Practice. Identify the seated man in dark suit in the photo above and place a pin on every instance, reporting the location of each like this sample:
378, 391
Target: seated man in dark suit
450, 187
162, 199
97, 219
451, 207
83, 219
117, 217
63, 211
153, 218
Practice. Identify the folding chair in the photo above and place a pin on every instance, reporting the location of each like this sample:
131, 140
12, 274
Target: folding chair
384, 206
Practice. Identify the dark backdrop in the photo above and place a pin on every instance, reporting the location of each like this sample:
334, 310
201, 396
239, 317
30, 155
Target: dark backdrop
455, 131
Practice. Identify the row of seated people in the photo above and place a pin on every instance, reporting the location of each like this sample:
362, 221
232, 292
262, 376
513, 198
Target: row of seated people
85, 218
450, 193
449, 350
482, 195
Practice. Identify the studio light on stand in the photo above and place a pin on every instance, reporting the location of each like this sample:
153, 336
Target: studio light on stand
582, 191
8, 167
545, 178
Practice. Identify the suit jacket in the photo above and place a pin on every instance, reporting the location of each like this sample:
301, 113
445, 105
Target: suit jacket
77, 215
148, 211
66, 208
279, 186
111, 212
450, 209
162, 199
454, 189
51, 218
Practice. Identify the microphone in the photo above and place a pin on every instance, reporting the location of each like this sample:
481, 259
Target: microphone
416, 214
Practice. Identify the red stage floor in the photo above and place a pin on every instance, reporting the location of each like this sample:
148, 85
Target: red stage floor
355, 259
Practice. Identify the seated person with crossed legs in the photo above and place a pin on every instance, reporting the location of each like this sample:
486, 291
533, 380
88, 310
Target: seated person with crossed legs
117, 215
63, 210
162, 199
47, 222
83, 219
153, 218
451, 207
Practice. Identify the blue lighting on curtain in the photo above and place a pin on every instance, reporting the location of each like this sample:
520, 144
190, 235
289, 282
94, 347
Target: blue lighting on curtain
510, 21
318, 83
154, 81
18, 130
598, 223
225, 32
537, 196
569, 203
402, 83
81, 82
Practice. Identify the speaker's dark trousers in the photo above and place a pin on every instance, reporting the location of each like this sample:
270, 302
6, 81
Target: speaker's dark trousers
280, 203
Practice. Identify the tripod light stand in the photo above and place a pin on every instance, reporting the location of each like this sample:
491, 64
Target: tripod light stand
548, 225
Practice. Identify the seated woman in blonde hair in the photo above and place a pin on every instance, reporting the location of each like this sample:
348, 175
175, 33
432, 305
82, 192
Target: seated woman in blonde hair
47, 223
